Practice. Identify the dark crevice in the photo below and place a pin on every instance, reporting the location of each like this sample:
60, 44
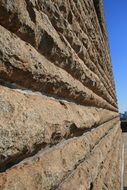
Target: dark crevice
31, 11
10, 162
91, 186
63, 104
70, 17
9, 19
46, 44
77, 132
10, 85
74, 131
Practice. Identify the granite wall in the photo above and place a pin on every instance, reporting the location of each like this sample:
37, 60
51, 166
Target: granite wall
59, 123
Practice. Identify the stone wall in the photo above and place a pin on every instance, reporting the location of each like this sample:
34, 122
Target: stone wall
59, 123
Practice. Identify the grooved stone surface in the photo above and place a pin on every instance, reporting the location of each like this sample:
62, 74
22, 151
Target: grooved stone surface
59, 121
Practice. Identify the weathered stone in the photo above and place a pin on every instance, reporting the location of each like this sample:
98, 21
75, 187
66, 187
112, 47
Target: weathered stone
66, 58
56, 164
59, 123
90, 168
107, 169
20, 63
26, 127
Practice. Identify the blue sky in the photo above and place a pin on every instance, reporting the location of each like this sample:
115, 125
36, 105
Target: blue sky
116, 21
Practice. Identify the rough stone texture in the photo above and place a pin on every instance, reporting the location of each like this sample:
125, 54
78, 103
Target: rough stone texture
59, 123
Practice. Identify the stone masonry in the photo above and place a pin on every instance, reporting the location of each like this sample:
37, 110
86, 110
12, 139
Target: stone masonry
59, 124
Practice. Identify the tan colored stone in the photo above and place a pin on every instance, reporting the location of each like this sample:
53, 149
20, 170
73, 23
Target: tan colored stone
29, 122
22, 64
51, 167
56, 47
59, 124
112, 159
85, 174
